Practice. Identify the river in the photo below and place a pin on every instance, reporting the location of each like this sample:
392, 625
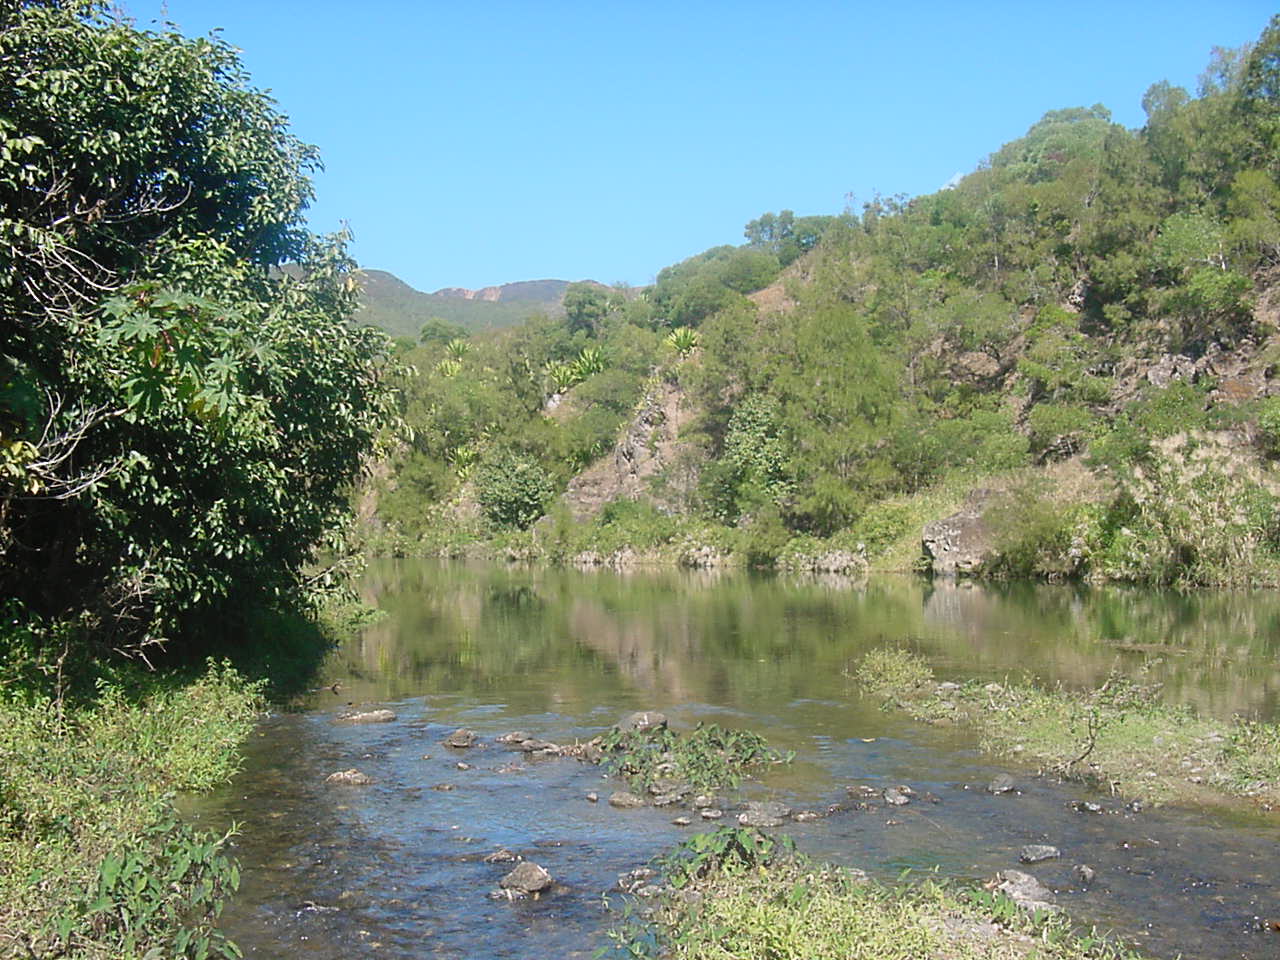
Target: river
396, 868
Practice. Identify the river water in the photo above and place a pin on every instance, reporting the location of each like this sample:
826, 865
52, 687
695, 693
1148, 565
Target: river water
396, 868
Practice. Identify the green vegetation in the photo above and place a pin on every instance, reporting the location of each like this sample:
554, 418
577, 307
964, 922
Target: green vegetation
708, 758
739, 894
391, 305
184, 409
95, 862
1091, 293
1119, 735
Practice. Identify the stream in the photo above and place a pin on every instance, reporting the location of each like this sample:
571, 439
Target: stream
396, 868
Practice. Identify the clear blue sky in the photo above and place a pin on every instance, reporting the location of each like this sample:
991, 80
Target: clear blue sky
476, 143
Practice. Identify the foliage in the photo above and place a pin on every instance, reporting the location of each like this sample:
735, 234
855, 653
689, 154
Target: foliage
513, 491
1119, 734
755, 899
94, 861
708, 758
197, 412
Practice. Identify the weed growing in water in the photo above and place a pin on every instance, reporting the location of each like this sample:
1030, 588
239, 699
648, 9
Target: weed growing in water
708, 758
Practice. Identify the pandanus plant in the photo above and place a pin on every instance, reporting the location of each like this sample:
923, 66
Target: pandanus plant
683, 340
562, 375
590, 361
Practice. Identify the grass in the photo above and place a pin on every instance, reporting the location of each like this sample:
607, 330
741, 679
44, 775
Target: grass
93, 862
706, 759
735, 895
1118, 735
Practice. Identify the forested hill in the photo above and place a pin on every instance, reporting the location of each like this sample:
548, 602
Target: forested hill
1093, 301
387, 302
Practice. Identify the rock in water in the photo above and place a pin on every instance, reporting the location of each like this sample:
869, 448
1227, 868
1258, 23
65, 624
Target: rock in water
526, 878
625, 800
895, 797
769, 813
1025, 890
1036, 852
370, 716
460, 738
351, 778
642, 721
1003, 783
1084, 873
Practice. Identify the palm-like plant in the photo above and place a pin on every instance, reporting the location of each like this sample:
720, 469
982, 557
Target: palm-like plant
684, 340
590, 361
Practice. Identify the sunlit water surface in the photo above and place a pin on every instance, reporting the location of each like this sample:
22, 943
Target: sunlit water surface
395, 869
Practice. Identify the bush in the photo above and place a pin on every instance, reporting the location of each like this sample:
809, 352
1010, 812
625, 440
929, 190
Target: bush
513, 491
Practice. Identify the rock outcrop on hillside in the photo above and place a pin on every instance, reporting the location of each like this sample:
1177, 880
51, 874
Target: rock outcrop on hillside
960, 544
649, 448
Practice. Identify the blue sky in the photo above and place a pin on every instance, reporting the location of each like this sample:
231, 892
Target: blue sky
476, 143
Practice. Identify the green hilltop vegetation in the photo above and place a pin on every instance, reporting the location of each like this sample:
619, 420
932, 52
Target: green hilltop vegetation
1086, 326
390, 304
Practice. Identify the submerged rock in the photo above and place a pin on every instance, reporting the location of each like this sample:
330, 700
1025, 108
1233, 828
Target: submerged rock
1084, 873
516, 737
369, 716
351, 778
642, 721
896, 797
625, 800
501, 855
526, 878
1036, 852
460, 739
1025, 890
760, 814
1002, 783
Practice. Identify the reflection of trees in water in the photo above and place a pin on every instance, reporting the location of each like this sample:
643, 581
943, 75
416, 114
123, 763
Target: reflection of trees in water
1215, 650
547, 635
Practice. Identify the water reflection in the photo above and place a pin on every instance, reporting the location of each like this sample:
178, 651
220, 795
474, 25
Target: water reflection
396, 869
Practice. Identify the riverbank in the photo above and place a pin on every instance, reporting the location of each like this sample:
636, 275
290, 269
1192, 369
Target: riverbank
741, 894
95, 861
1118, 735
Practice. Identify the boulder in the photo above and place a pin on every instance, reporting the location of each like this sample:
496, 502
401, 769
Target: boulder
460, 739
526, 878
1036, 852
961, 543
625, 800
1002, 783
768, 813
370, 716
1025, 890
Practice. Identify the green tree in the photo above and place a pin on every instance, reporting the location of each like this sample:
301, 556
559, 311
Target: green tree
188, 416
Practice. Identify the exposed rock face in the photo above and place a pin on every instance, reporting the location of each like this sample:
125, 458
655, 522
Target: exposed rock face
961, 543
647, 448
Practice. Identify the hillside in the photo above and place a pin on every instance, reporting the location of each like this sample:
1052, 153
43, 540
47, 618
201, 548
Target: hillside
1091, 294
387, 302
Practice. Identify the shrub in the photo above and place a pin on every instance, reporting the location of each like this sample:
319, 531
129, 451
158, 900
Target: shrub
513, 491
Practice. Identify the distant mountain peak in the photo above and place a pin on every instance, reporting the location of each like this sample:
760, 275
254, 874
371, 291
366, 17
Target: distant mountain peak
527, 291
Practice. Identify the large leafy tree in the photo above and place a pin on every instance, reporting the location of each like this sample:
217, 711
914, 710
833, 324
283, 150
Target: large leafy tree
183, 401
